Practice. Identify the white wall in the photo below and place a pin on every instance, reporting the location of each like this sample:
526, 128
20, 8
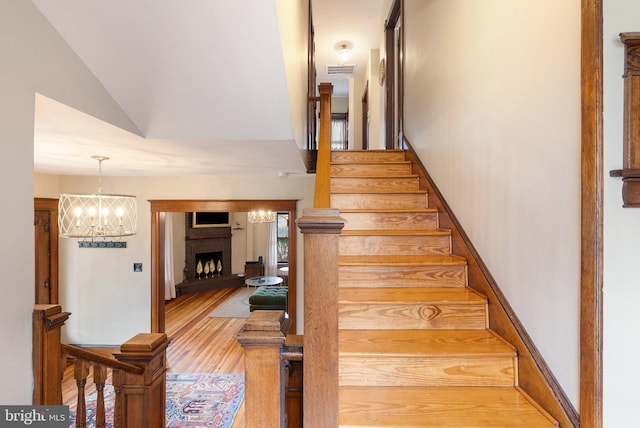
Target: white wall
356, 90
90, 275
621, 226
376, 140
33, 58
293, 20
494, 112
339, 104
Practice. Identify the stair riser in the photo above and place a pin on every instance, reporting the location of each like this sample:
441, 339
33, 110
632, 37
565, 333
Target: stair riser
366, 156
402, 276
390, 221
368, 170
394, 245
455, 371
347, 184
395, 316
378, 200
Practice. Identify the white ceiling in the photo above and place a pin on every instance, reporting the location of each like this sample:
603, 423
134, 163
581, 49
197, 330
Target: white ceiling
205, 100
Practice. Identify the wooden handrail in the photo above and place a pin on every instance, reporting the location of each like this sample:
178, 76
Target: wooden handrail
322, 197
94, 357
138, 371
47, 362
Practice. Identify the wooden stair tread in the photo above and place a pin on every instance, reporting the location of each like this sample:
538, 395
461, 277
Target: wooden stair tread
402, 260
400, 232
377, 177
439, 407
379, 191
389, 210
412, 343
409, 295
371, 162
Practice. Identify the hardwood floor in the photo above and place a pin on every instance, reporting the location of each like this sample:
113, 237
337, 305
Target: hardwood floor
199, 344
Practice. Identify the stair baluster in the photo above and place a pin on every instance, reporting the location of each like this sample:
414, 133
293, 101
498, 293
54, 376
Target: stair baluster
138, 371
80, 374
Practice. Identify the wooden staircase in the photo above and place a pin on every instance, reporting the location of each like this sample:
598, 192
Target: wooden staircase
414, 344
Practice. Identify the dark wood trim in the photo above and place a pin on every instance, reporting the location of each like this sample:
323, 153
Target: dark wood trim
591, 311
159, 207
535, 377
365, 117
51, 205
395, 14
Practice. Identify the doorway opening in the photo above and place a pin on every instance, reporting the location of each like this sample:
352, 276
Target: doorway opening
159, 208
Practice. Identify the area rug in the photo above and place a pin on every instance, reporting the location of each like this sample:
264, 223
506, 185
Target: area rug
236, 306
193, 400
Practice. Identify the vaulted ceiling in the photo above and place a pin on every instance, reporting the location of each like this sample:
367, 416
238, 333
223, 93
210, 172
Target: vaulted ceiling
203, 82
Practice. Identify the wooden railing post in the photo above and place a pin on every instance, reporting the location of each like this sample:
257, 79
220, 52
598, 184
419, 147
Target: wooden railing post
142, 398
321, 196
262, 338
47, 355
321, 229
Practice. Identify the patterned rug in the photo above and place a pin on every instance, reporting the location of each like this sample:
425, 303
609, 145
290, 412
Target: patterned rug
193, 400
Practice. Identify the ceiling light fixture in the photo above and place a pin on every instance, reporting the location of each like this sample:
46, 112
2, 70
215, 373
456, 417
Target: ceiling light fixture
343, 54
261, 216
90, 216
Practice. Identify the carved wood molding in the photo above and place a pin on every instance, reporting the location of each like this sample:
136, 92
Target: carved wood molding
630, 172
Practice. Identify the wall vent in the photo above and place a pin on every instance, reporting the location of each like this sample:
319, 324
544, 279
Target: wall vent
340, 70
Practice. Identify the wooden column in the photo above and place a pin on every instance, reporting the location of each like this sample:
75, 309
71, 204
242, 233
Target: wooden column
630, 171
262, 338
47, 354
321, 229
142, 399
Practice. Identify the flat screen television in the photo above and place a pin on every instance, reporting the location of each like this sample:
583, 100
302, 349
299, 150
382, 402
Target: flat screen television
209, 219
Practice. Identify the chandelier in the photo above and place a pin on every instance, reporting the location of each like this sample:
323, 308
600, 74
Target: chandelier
261, 216
90, 216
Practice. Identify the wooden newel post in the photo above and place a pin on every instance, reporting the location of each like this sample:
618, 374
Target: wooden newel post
262, 338
141, 398
321, 229
47, 354
322, 198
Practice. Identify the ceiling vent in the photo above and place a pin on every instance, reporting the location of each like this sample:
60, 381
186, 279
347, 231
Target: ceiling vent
340, 70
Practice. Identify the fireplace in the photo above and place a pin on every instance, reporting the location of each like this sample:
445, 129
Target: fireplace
208, 265
207, 259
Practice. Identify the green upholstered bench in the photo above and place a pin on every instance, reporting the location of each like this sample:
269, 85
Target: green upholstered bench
269, 298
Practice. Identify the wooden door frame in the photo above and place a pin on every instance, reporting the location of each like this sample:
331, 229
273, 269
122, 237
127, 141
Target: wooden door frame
395, 16
591, 281
158, 210
51, 205
365, 117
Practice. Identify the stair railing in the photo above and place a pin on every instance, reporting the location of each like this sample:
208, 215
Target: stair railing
321, 197
138, 372
269, 362
321, 227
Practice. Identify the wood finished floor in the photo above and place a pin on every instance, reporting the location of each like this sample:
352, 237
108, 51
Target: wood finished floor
199, 343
